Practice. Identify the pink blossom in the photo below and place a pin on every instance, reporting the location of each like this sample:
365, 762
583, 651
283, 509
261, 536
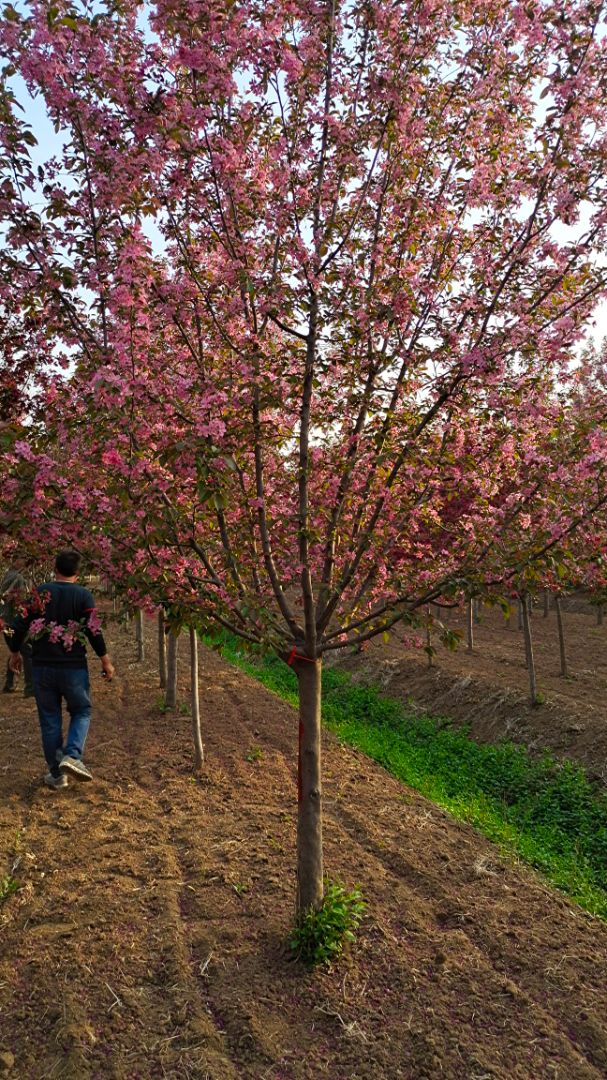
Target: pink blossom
94, 622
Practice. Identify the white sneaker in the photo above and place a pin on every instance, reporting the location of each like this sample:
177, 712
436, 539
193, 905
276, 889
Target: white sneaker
76, 767
55, 781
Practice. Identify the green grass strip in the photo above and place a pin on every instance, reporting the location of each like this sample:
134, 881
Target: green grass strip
545, 812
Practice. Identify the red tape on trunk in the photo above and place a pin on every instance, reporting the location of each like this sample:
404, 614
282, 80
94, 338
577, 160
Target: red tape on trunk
294, 656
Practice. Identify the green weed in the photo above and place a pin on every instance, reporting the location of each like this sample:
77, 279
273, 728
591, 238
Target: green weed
254, 754
322, 935
8, 886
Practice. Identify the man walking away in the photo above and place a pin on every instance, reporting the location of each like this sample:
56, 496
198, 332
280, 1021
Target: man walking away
60, 619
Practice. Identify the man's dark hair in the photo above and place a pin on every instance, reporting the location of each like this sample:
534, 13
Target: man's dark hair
67, 563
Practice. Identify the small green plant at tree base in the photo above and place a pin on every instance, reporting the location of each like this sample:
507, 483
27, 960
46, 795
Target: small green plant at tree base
8, 886
321, 935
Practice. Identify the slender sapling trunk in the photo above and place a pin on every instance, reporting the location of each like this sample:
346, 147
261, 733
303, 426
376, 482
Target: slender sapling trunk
170, 699
599, 615
559, 623
309, 815
195, 699
469, 626
139, 635
529, 652
162, 651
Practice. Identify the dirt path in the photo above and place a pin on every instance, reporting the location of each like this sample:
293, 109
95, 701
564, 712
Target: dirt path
147, 940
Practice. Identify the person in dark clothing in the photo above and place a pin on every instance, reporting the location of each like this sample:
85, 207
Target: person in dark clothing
13, 589
60, 619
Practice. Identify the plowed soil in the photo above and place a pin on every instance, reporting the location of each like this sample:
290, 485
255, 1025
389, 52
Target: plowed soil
147, 936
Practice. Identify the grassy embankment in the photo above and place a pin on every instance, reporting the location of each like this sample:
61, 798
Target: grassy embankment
545, 813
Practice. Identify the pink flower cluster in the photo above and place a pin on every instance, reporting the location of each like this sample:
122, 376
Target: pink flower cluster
66, 635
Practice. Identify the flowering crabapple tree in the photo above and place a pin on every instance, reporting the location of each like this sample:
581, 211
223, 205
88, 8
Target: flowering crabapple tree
305, 256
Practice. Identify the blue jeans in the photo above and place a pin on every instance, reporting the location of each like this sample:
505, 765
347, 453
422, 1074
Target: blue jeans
51, 686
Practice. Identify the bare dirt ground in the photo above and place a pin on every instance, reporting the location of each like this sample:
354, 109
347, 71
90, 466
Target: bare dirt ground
147, 937
487, 689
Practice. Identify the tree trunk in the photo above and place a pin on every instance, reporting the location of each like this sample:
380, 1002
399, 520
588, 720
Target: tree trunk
469, 626
429, 636
139, 635
546, 603
529, 652
520, 615
599, 615
309, 816
559, 623
162, 651
195, 698
170, 698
